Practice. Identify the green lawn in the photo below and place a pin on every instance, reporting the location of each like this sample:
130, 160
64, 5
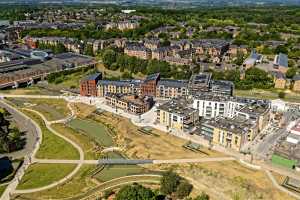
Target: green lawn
278, 160
52, 109
2, 189
94, 130
87, 144
39, 175
115, 171
53, 147
268, 94
78, 184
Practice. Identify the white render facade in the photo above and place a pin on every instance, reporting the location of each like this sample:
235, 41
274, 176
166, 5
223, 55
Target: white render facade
210, 107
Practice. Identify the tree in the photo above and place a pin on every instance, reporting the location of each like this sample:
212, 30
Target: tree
202, 196
169, 182
291, 72
109, 57
88, 50
135, 192
281, 95
184, 189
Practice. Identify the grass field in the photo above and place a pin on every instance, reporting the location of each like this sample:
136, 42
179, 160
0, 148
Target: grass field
160, 145
229, 180
116, 171
94, 130
89, 147
78, 184
268, 94
278, 160
39, 175
2, 189
52, 109
52, 147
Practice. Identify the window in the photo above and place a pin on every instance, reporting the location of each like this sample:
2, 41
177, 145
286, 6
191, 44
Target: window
175, 118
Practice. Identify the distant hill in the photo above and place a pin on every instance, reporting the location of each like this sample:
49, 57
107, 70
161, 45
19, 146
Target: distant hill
163, 3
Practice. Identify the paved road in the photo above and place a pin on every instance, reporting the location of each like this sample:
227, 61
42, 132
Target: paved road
25, 126
133, 161
27, 159
264, 146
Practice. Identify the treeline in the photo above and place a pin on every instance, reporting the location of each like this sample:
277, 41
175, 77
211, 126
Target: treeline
253, 78
114, 60
172, 187
55, 48
91, 31
10, 137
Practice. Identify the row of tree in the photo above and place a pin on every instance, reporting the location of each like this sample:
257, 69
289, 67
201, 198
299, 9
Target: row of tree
114, 60
172, 186
10, 137
253, 78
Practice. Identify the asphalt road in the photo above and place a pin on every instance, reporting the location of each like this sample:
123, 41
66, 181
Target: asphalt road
25, 126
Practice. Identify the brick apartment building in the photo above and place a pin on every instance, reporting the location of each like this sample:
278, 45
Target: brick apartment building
148, 87
88, 85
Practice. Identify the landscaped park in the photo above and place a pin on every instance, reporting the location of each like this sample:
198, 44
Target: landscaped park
95, 132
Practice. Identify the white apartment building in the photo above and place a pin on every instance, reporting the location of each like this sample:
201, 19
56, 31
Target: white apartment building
211, 105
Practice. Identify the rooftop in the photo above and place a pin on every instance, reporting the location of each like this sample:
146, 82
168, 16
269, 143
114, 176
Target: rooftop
92, 77
234, 125
173, 83
281, 60
177, 106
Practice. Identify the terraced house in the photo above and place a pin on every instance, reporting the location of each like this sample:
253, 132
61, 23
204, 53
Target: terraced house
129, 103
118, 87
167, 88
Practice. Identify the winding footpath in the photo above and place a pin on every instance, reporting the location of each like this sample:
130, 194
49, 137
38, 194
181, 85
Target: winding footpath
79, 163
11, 188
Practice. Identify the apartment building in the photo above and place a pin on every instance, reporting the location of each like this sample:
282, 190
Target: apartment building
88, 85
118, 87
129, 103
257, 111
229, 132
152, 43
167, 88
176, 115
212, 47
148, 86
211, 105
296, 83
200, 82
221, 87
138, 50
123, 25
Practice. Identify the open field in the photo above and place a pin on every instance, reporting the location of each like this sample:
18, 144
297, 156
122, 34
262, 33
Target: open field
90, 148
2, 189
94, 130
157, 146
39, 175
52, 109
77, 185
229, 180
82, 110
32, 90
115, 171
52, 147
268, 94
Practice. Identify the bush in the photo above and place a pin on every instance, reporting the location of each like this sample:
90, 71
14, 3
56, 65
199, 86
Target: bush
169, 182
184, 189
